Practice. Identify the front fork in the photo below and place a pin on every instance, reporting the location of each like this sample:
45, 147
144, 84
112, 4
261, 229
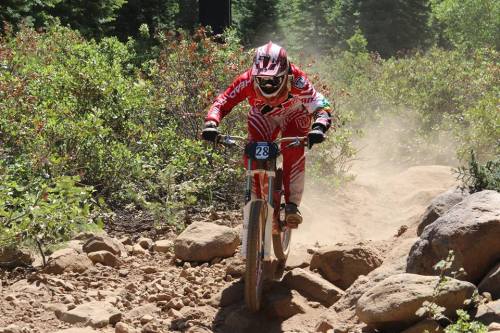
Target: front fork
270, 209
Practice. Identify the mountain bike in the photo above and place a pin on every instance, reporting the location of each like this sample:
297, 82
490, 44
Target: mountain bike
264, 220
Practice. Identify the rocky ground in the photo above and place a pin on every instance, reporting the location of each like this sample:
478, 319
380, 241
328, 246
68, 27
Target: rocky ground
192, 282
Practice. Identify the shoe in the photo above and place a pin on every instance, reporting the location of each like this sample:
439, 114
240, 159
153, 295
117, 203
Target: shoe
292, 215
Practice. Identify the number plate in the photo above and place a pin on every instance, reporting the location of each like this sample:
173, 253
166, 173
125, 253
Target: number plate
262, 151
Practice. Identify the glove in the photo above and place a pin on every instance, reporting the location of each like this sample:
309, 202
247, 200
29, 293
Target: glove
315, 135
210, 132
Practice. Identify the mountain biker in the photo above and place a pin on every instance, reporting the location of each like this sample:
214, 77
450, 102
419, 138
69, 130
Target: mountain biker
282, 99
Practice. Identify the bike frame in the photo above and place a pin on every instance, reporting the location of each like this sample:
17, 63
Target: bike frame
270, 172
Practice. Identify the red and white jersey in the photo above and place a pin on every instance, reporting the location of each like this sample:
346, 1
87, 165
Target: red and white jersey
302, 95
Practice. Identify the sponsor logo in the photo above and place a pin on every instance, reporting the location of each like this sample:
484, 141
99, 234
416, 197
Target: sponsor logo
242, 85
300, 82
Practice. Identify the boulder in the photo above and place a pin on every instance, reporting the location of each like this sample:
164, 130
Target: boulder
235, 266
298, 258
103, 243
104, 257
286, 304
124, 328
429, 326
203, 241
393, 302
11, 257
163, 246
488, 313
440, 205
494, 327
471, 229
67, 260
491, 282
312, 286
95, 314
342, 264
395, 263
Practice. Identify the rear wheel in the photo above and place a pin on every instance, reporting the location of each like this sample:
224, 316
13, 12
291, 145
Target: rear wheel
254, 274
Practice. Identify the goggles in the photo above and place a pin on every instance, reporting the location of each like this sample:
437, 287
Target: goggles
269, 81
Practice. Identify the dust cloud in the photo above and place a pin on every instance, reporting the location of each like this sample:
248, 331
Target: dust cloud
383, 196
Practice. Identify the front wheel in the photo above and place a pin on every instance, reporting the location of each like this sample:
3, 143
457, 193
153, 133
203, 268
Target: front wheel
282, 235
254, 274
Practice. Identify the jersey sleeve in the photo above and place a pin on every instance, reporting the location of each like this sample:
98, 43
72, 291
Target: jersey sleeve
304, 90
234, 94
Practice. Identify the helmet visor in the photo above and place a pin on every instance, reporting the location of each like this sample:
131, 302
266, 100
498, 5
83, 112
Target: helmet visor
269, 84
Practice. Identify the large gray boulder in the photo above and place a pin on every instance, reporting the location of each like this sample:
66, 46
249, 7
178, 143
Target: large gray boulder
203, 241
491, 282
392, 303
471, 229
104, 243
440, 205
342, 264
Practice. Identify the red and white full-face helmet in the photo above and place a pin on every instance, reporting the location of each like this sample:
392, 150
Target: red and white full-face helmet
270, 73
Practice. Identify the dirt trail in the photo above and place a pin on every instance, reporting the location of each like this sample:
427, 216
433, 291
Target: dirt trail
372, 207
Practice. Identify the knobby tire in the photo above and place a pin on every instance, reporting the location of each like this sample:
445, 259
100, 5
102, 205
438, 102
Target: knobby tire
254, 274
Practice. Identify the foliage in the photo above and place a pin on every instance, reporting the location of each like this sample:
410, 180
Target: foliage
44, 211
465, 325
469, 23
256, 28
476, 177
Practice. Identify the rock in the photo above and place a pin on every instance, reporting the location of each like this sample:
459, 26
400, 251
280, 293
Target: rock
440, 205
494, 327
11, 257
141, 311
394, 263
324, 327
76, 330
163, 246
471, 229
298, 258
104, 257
491, 282
286, 304
149, 269
342, 264
312, 286
425, 325
198, 329
67, 260
146, 319
12, 328
229, 295
76, 245
489, 313
392, 303
145, 243
137, 249
203, 242
121, 327
235, 266
95, 314
103, 243
126, 241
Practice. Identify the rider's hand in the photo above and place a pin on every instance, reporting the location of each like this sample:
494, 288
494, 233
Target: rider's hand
315, 135
210, 131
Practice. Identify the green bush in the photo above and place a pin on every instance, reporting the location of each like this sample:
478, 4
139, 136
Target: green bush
477, 177
44, 212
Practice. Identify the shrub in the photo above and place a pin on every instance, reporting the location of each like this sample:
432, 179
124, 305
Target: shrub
44, 212
476, 177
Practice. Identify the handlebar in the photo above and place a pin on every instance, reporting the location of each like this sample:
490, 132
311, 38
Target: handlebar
230, 140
